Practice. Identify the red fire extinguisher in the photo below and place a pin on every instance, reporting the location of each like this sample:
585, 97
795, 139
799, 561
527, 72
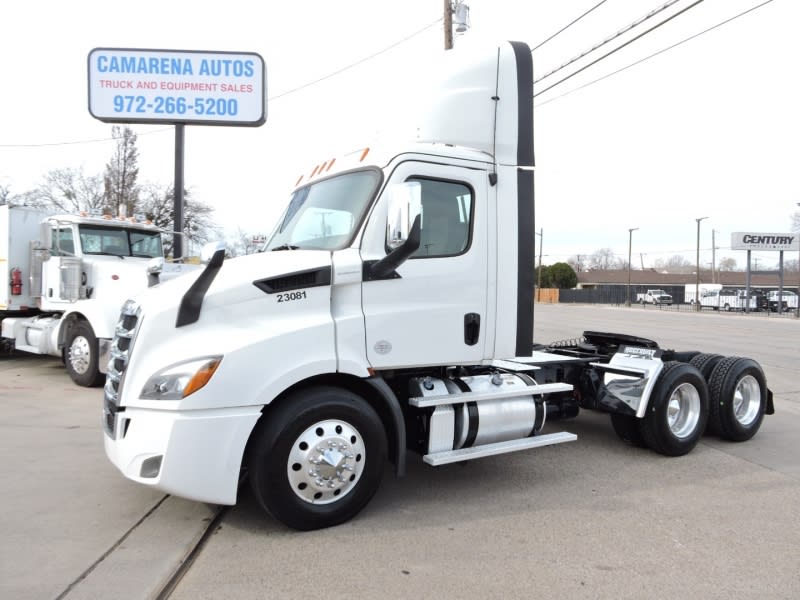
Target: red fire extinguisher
16, 282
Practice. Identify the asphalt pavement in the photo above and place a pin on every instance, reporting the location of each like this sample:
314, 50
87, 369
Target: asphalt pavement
588, 519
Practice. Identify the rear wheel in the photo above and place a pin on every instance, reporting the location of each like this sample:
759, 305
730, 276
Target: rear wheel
705, 363
738, 390
82, 356
678, 410
318, 458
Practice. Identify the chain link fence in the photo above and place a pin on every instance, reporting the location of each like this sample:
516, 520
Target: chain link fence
724, 300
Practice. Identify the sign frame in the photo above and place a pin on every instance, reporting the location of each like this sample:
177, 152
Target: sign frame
765, 242
193, 87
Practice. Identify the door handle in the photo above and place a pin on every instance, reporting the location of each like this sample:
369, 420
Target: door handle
472, 328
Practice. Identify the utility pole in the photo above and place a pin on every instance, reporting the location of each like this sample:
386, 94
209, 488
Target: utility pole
697, 304
630, 244
448, 25
713, 257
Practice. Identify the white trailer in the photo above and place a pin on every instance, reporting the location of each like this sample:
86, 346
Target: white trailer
67, 278
391, 312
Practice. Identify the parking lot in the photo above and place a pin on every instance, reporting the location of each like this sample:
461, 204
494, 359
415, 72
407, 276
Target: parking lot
589, 519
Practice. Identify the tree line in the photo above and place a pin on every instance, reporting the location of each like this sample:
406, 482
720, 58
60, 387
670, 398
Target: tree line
117, 192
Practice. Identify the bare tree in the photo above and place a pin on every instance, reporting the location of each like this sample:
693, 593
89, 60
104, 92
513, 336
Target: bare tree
158, 204
577, 263
603, 260
121, 173
727, 264
69, 190
675, 264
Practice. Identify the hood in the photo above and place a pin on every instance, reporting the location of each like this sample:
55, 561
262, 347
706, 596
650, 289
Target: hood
235, 281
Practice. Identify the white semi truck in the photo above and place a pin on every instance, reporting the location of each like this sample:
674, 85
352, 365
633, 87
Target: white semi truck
67, 278
391, 312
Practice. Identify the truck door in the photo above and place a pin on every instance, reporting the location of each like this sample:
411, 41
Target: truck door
434, 310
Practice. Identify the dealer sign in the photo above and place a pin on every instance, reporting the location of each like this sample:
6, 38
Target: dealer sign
764, 241
177, 86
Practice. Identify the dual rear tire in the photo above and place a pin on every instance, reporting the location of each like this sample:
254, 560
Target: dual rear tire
726, 396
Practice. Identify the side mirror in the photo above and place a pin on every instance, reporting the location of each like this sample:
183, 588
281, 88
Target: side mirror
154, 268
209, 250
405, 204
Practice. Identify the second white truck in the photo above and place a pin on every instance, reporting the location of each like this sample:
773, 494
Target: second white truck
391, 314
67, 278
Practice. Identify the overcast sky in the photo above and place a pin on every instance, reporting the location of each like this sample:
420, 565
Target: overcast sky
707, 129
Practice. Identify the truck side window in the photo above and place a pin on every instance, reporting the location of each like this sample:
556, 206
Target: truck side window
63, 244
446, 218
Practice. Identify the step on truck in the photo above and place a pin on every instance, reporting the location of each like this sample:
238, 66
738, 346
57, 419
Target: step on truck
390, 315
67, 279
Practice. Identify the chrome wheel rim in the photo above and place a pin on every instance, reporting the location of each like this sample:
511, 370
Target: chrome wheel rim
683, 410
746, 400
326, 461
80, 354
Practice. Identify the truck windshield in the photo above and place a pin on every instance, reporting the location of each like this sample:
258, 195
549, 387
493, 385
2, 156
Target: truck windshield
324, 215
119, 241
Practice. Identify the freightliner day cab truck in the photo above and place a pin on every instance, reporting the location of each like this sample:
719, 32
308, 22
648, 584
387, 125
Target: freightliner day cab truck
391, 312
67, 278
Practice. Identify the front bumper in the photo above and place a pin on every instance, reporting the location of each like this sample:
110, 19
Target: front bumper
194, 454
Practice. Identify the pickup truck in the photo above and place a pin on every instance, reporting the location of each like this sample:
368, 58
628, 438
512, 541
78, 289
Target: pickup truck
654, 297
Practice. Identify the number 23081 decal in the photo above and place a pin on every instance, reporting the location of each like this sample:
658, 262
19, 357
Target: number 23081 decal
291, 296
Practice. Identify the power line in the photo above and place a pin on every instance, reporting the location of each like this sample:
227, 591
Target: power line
358, 62
107, 139
609, 39
618, 48
563, 29
675, 45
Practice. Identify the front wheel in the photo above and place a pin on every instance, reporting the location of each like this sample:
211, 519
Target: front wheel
81, 356
317, 458
738, 391
678, 410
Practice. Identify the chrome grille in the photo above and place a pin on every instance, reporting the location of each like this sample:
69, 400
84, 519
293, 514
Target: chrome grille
124, 335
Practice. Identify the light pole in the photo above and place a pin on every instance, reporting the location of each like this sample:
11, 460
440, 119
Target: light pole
630, 245
697, 304
797, 312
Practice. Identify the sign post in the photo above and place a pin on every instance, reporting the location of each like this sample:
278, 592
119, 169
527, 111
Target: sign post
128, 85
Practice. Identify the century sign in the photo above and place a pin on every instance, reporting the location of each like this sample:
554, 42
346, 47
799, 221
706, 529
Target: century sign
764, 241
177, 86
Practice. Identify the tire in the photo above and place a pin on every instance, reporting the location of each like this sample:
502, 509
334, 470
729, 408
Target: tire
678, 411
303, 451
738, 398
727, 307
705, 363
81, 356
628, 428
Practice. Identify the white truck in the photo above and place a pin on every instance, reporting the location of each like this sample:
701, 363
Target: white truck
788, 300
654, 297
67, 278
732, 299
391, 312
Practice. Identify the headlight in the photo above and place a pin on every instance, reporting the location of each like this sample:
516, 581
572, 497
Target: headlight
181, 380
